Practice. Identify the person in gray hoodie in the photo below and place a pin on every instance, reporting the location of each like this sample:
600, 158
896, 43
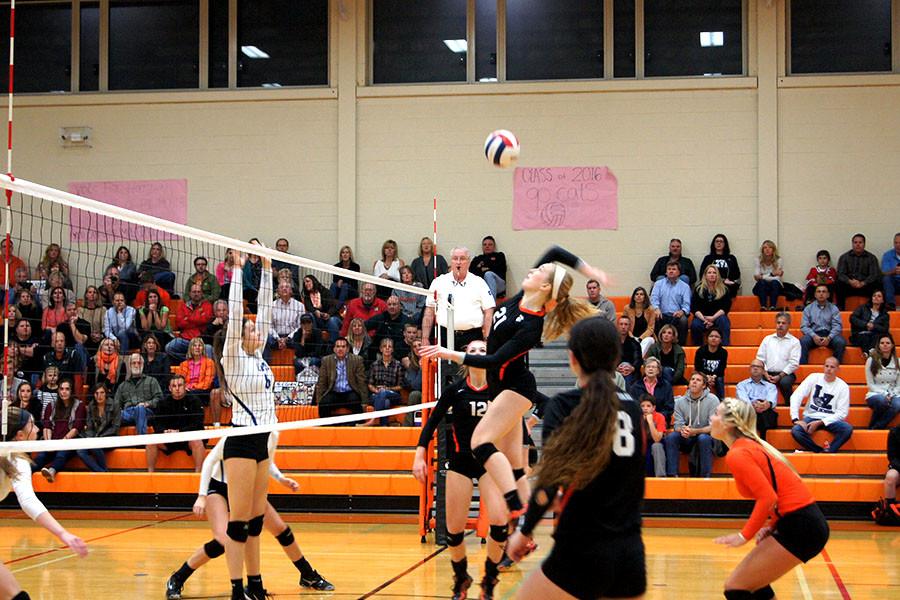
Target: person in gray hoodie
692, 413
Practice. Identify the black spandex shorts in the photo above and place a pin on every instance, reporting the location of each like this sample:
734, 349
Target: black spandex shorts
607, 567
803, 532
465, 464
521, 383
255, 446
217, 487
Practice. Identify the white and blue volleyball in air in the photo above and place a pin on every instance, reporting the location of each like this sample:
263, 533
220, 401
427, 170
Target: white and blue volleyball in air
501, 148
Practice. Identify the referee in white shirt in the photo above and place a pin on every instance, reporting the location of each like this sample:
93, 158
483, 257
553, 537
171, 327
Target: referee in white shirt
473, 303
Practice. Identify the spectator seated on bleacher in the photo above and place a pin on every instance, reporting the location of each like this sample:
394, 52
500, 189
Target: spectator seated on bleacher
858, 272
93, 311
53, 261
220, 319
890, 269
490, 265
630, 352
342, 387
223, 276
63, 420
671, 301
198, 372
48, 391
385, 379
343, 290
318, 301
388, 267
691, 424
643, 318
309, 348
157, 265
780, 353
821, 274
365, 307
688, 273
103, 419
283, 245
106, 364
762, 394
21, 283
720, 255
711, 359
138, 395
768, 273
157, 363
653, 427
27, 349
55, 280
390, 324
603, 304
14, 263
883, 381
65, 359
206, 280
147, 285
252, 276
285, 276
153, 318
27, 308
670, 354
77, 333
21, 394
121, 323
286, 313
710, 304
54, 312
827, 408
427, 265
361, 343
654, 386
412, 372
821, 327
868, 322
178, 411
127, 272
412, 305
887, 511
191, 320
110, 285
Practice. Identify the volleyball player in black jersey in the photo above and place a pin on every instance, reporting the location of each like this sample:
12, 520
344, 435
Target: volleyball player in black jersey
463, 404
543, 306
594, 459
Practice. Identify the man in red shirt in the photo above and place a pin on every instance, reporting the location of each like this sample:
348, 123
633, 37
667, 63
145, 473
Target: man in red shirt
191, 320
365, 307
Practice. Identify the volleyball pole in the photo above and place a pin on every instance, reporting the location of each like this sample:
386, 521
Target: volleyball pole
7, 255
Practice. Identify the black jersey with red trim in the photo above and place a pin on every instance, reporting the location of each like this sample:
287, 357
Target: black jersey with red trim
463, 405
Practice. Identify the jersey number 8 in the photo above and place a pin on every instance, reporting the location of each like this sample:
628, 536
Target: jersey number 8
624, 442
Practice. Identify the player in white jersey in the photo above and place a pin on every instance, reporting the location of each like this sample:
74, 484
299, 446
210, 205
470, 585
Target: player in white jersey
249, 381
212, 501
15, 476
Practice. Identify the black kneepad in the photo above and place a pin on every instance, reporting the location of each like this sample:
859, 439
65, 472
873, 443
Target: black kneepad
738, 595
518, 474
484, 451
499, 533
766, 593
286, 537
23, 595
255, 525
213, 548
455, 539
238, 531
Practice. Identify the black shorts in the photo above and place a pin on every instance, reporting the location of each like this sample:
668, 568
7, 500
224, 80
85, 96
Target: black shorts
803, 532
255, 446
465, 464
607, 567
522, 383
173, 447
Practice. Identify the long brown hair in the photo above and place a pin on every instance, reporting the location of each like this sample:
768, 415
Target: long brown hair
567, 311
16, 420
877, 358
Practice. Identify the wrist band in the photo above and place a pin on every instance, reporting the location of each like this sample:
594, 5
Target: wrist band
741, 535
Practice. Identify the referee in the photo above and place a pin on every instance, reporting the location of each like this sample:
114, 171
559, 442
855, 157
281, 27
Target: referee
472, 302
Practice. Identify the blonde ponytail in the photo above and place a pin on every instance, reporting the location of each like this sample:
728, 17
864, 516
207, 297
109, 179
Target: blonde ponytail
567, 310
742, 416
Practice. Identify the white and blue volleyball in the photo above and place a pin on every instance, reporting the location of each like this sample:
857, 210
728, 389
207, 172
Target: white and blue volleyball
501, 148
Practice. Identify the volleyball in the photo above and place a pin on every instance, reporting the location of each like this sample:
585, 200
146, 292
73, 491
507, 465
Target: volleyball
501, 148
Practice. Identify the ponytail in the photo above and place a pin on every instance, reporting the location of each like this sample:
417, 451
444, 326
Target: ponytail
16, 419
565, 311
742, 416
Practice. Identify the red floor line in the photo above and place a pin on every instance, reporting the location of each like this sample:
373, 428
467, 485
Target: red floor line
837, 578
100, 537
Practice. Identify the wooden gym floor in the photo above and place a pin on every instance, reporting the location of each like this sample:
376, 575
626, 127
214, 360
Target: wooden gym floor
131, 557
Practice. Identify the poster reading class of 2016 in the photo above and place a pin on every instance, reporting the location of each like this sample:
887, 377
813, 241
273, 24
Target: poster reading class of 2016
565, 198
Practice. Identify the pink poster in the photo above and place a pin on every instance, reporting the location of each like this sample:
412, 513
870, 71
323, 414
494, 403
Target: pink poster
565, 198
163, 198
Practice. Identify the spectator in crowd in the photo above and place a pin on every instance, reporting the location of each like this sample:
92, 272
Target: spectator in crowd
388, 267
223, 272
26, 308
360, 342
252, 276
385, 379
93, 311
159, 267
25, 344
692, 413
365, 307
307, 344
284, 276
111, 284
156, 361
603, 304
148, 284
53, 260
54, 312
473, 302
127, 272
821, 274
688, 273
21, 283
390, 324
138, 395
191, 320
427, 265
410, 334
720, 255
153, 317
63, 420
24, 397
868, 322
858, 272
643, 319
343, 289
821, 327
220, 319
883, 381
412, 375
286, 313
653, 426
780, 353
103, 419
887, 511
890, 268
65, 359
341, 388
55, 280
630, 356
319, 302
657, 388
768, 274
178, 411
207, 281
711, 360
827, 408
762, 395
198, 372
411, 304
671, 301
106, 363
120, 323
710, 305
670, 354
49, 390
490, 265
14, 263
77, 333
283, 245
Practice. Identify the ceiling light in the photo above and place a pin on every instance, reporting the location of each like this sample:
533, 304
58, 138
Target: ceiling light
488, 79
271, 85
712, 38
458, 46
253, 52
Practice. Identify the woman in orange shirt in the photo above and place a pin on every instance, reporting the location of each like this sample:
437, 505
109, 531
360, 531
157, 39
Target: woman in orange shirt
198, 371
786, 521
